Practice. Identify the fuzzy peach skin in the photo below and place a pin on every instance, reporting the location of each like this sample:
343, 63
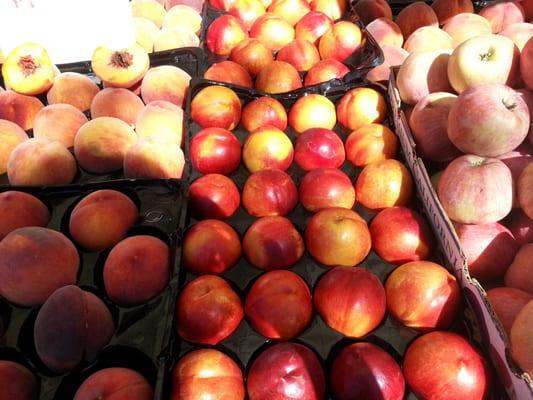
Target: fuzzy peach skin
165, 82
216, 106
414, 16
161, 121
150, 9
21, 209
72, 88
58, 122
41, 162
519, 274
17, 381
369, 10
151, 159
519, 33
145, 33
386, 32
521, 340
394, 57
447, 9
465, 26
428, 38
11, 135
501, 14
116, 102
183, 16
19, 108
175, 38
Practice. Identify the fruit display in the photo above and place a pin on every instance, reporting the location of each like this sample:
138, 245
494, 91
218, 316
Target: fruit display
84, 281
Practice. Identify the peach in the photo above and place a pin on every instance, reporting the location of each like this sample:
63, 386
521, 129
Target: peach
71, 328
224, 34
428, 38
386, 32
165, 82
291, 10
19, 209
145, 33
252, 55
136, 270
465, 26
503, 13
17, 381
421, 74
41, 162
519, 33
394, 57
341, 41
216, 106
369, 10
264, 111
183, 16
273, 31
361, 106
11, 135
109, 383
302, 54
161, 121
519, 274
58, 122
521, 340
120, 68
101, 219
524, 190
278, 77
19, 108
334, 9
526, 69
414, 16
149, 9
229, 72
73, 88
100, 144
312, 26
34, 262
447, 9
175, 38
267, 148
370, 143
151, 159
247, 11
28, 69
312, 111
507, 303
324, 71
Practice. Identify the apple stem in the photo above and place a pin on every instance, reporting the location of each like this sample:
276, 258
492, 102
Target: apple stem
485, 56
28, 65
121, 59
509, 104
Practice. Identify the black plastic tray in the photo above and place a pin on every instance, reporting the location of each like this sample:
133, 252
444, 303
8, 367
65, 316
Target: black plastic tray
245, 343
141, 331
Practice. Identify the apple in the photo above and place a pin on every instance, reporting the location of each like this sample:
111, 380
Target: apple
252, 55
350, 300
291, 10
341, 41
524, 190
206, 373
520, 225
501, 14
215, 150
269, 192
208, 310
318, 148
312, 111
519, 275
489, 249
224, 34
285, 371
267, 148
370, 143
527, 95
423, 295
216, 106
272, 243
519, 33
213, 196
383, 184
464, 26
229, 72
324, 71
300, 53
272, 30
476, 190
525, 64
279, 305
337, 236
400, 235
516, 160
445, 362
507, 303
484, 59
368, 371
210, 247
264, 111
429, 126
325, 188
278, 77
521, 339
488, 120
312, 26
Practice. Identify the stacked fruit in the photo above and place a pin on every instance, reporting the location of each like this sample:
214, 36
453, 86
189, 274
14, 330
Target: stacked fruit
277, 42
136, 119
320, 140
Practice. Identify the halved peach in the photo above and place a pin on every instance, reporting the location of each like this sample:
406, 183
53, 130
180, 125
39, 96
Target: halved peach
120, 68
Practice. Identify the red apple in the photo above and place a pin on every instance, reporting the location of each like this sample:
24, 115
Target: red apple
300, 53
488, 120
278, 77
319, 148
444, 363
368, 371
247, 11
264, 111
383, 184
215, 150
219, 4
272, 30
337, 236
208, 310
489, 249
507, 303
324, 71
519, 275
312, 111
340, 42
312, 26
279, 305
516, 160
252, 55
476, 190
269, 192
229, 72
224, 34
350, 300
291, 10
267, 148
206, 373
216, 106
325, 188
273, 243
423, 295
521, 339
520, 225
213, 196
210, 247
371, 143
